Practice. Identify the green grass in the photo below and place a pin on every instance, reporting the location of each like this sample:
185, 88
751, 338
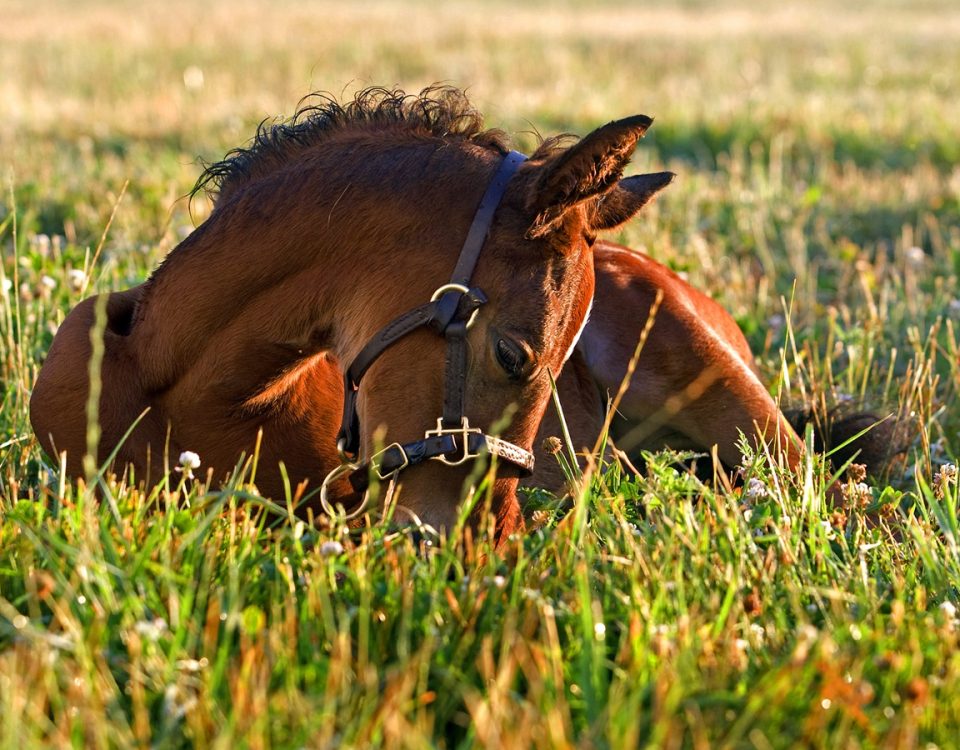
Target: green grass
818, 199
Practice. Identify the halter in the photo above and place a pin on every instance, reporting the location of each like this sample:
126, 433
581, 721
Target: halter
451, 311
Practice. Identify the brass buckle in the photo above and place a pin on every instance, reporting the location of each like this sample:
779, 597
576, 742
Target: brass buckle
375, 464
463, 430
455, 288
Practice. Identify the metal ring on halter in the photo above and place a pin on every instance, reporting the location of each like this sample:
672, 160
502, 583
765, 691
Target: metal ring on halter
334, 475
455, 288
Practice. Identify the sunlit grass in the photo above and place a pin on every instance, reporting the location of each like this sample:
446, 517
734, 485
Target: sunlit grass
818, 199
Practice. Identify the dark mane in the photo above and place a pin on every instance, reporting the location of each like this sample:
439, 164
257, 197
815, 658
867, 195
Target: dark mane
439, 111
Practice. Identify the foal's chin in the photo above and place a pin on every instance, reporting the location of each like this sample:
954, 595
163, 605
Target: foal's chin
436, 498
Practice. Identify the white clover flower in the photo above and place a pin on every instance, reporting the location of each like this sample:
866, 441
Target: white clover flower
862, 488
529, 593
48, 282
151, 630
949, 610
192, 665
177, 702
756, 490
331, 548
915, 256
7, 285
76, 278
188, 462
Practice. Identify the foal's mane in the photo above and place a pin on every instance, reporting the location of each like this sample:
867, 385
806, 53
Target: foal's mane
438, 111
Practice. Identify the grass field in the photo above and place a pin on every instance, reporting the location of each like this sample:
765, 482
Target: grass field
818, 199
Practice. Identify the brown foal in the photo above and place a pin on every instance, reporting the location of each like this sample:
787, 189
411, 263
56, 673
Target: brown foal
334, 224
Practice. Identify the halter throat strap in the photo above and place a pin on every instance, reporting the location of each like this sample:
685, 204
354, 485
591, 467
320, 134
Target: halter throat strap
449, 313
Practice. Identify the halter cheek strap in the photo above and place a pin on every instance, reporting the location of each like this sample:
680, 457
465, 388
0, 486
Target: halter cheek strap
450, 313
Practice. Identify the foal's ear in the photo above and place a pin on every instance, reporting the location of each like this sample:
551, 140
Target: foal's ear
585, 170
630, 195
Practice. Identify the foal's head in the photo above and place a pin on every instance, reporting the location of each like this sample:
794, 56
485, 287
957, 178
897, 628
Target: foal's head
536, 271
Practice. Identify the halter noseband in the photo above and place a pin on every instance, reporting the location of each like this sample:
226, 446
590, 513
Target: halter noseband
451, 312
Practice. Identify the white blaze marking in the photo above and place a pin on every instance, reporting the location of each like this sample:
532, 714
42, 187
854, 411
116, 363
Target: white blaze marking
573, 344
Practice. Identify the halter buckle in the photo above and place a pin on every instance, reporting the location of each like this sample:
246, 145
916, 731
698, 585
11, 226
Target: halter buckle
375, 462
455, 288
464, 430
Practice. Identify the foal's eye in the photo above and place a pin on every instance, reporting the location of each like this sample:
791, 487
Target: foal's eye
512, 358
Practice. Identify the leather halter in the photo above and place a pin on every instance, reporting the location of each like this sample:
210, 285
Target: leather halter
451, 311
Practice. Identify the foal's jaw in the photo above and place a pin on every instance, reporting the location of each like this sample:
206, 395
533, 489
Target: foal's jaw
435, 500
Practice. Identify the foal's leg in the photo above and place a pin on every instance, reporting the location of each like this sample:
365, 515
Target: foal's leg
694, 386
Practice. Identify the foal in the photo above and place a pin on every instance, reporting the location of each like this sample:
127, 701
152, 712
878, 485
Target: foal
337, 227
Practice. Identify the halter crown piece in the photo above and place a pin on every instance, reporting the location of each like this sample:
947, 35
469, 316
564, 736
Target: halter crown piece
450, 313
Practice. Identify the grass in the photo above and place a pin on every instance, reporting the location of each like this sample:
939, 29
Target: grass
818, 199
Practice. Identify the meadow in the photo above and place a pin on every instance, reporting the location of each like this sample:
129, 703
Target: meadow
818, 199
